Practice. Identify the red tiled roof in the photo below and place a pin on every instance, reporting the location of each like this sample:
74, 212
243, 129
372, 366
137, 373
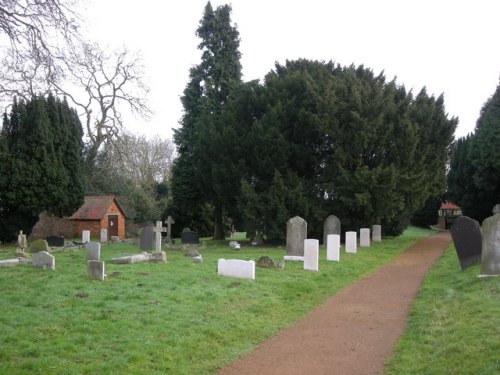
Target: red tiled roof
94, 208
449, 206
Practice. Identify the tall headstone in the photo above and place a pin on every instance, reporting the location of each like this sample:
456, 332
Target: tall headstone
146, 241
333, 247
96, 270
351, 242
311, 255
93, 250
104, 235
296, 233
331, 225
466, 234
158, 230
377, 233
490, 257
85, 236
44, 260
169, 222
364, 237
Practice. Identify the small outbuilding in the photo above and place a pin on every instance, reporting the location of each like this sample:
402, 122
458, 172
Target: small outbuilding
99, 212
448, 212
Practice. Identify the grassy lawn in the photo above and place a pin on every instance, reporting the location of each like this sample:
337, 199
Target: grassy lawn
174, 318
454, 325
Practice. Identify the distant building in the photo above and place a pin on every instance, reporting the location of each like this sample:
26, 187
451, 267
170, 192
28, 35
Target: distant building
99, 212
448, 212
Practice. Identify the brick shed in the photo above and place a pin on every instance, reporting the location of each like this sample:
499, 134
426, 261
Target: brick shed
99, 212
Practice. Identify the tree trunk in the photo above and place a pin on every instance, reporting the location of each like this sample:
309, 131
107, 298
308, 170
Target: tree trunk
218, 223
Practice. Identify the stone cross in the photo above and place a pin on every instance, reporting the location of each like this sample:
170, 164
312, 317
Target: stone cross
169, 222
158, 230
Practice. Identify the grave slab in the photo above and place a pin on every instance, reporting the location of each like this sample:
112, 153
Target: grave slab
244, 269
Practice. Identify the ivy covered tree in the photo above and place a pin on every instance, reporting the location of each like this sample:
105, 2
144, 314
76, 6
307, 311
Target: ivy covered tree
41, 163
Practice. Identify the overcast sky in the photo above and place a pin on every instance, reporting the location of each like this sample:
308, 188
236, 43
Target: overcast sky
450, 47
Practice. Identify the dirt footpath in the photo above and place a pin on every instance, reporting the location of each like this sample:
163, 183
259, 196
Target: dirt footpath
354, 331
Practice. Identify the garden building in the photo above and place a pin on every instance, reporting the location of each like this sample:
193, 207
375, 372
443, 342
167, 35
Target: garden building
448, 212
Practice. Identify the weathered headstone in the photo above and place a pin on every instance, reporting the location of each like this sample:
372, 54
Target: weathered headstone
93, 250
104, 235
44, 260
96, 270
244, 269
364, 237
39, 245
331, 225
189, 238
129, 259
85, 236
351, 242
296, 233
22, 243
377, 233
55, 241
466, 234
311, 255
158, 257
159, 229
490, 257
169, 222
333, 247
147, 235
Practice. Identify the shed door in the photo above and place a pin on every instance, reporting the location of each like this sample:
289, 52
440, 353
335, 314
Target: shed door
112, 225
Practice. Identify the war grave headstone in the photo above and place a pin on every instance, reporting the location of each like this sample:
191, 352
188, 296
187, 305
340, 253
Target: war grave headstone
377, 233
93, 250
296, 233
467, 238
104, 235
55, 241
331, 225
85, 236
244, 269
96, 270
333, 247
147, 234
490, 257
39, 245
43, 259
351, 242
311, 255
364, 237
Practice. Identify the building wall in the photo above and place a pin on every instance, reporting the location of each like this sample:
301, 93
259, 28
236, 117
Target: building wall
93, 225
114, 210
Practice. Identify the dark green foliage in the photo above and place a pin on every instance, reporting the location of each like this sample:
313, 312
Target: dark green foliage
474, 176
428, 214
41, 163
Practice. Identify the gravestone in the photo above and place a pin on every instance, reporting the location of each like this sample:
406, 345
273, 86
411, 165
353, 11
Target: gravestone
364, 237
147, 234
9, 262
104, 235
85, 236
93, 250
44, 260
39, 245
169, 222
244, 269
311, 255
158, 257
333, 247
189, 238
296, 233
159, 229
130, 259
331, 225
351, 242
490, 257
96, 270
377, 233
55, 241
22, 243
466, 234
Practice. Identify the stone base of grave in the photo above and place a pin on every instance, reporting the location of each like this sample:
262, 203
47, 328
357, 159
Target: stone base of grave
295, 258
158, 257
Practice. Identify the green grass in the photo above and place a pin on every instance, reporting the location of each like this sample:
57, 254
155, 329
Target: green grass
454, 325
174, 318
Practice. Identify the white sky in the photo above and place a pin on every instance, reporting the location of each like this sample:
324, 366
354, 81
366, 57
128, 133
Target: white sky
449, 46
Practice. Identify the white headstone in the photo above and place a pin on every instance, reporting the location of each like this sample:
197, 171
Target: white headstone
96, 270
351, 242
377, 233
129, 259
104, 235
93, 250
244, 269
44, 260
296, 233
311, 255
85, 236
158, 230
364, 237
333, 247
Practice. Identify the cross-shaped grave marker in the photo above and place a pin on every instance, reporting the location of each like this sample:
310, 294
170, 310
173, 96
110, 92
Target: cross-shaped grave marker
159, 229
169, 222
